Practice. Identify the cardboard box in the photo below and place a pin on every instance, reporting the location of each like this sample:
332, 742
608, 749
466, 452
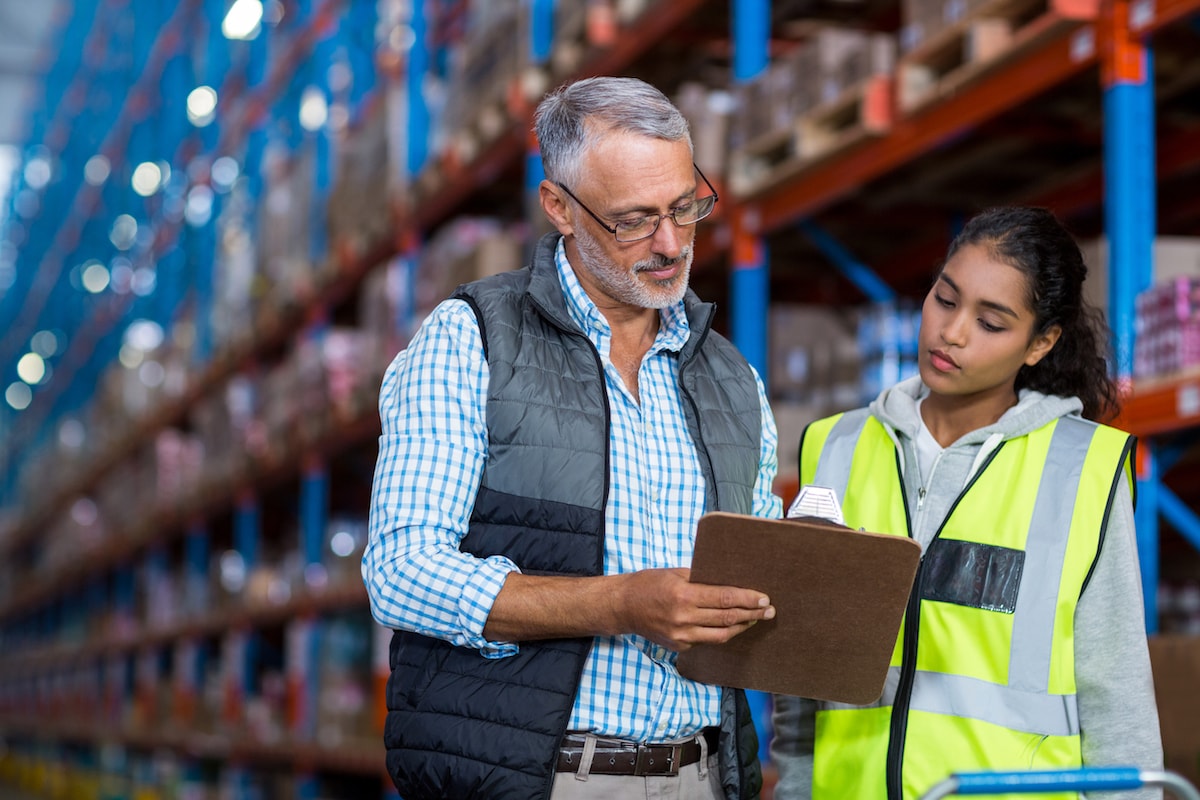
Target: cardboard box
1175, 660
814, 356
1174, 257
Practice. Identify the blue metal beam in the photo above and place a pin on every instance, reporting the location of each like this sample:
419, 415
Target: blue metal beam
418, 110
314, 512
541, 30
750, 280
858, 273
1129, 204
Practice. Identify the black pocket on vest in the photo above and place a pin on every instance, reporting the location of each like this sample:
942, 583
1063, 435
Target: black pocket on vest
971, 574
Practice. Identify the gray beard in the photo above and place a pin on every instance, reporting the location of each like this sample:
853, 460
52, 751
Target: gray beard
624, 286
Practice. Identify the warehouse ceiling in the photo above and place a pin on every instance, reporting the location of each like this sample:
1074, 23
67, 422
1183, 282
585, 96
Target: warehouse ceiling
26, 31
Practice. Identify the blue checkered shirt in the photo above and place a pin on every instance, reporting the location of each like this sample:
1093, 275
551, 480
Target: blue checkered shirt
432, 454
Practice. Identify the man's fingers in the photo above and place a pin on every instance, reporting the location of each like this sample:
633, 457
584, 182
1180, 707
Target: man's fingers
730, 597
732, 617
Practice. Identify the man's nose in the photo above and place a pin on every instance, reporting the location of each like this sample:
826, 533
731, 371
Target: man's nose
668, 239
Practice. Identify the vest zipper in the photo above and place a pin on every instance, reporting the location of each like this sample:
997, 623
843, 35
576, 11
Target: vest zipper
908, 672
898, 729
893, 771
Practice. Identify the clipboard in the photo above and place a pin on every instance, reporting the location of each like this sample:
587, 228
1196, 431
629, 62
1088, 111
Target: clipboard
839, 595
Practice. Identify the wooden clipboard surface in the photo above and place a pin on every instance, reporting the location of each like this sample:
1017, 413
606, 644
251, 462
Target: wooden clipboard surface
839, 597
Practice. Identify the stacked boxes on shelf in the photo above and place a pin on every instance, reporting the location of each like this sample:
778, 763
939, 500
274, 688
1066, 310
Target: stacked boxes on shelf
924, 20
946, 43
813, 370
830, 91
485, 65
1166, 318
344, 692
493, 78
709, 112
385, 310
466, 249
887, 340
1179, 606
366, 176
1167, 322
285, 224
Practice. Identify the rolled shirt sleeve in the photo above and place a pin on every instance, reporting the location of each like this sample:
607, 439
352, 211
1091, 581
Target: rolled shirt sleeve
432, 451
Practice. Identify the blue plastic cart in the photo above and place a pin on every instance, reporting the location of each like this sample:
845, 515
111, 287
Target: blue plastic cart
1089, 779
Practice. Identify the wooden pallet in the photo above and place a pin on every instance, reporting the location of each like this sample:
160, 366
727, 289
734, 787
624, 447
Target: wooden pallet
490, 121
861, 112
985, 39
757, 164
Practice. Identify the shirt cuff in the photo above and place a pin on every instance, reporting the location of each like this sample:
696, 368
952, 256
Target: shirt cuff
478, 596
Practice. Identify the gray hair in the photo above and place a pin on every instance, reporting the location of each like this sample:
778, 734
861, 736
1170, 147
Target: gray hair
576, 116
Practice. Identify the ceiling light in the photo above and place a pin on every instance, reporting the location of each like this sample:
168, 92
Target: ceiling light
243, 19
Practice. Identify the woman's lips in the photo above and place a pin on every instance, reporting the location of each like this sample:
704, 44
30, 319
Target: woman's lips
941, 361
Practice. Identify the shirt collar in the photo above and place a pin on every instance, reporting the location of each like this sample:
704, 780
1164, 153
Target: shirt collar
673, 327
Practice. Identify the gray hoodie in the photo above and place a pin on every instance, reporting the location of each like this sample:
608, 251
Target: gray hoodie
1117, 712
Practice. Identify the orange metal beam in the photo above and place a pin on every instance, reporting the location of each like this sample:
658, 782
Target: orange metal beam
1064, 53
1162, 406
1146, 17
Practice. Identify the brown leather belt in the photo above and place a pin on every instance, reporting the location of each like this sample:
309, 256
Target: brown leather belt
617, 757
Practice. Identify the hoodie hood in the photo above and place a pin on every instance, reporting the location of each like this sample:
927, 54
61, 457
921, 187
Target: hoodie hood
931, 503
896, 407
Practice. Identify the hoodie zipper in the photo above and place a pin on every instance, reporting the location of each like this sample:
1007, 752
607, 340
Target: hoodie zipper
898, 728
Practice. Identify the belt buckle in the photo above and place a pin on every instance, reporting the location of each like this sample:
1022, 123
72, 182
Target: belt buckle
646, 762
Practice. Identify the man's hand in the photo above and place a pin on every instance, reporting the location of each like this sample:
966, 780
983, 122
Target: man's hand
663, 606
659, 604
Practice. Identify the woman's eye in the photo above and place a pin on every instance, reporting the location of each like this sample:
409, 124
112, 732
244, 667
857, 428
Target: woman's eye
943, 301
989, 327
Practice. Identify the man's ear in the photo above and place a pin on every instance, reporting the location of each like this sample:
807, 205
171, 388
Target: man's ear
1042, 344
554, 205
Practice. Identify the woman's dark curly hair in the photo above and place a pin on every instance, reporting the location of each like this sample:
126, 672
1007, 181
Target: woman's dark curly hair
1036, 243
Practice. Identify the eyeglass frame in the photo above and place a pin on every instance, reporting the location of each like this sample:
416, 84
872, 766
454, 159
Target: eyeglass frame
659, 217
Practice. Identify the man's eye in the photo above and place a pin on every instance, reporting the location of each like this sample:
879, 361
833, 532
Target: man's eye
632, 224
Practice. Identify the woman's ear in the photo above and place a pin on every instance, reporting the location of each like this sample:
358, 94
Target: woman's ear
1042, 344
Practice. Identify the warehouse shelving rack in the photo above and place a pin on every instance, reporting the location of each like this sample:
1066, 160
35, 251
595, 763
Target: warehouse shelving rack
305, 468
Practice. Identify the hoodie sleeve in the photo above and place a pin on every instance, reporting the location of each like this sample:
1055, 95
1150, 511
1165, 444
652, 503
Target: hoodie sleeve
1118, 715
794, 722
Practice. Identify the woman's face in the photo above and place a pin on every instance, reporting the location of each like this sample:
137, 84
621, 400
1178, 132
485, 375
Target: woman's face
977, 329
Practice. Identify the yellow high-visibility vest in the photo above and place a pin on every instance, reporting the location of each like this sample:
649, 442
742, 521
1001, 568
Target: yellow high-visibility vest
982, 676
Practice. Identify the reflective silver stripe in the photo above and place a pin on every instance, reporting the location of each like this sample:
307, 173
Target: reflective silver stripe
833, 468
971, 698
1045, 554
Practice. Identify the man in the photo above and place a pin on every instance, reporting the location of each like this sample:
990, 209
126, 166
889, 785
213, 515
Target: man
550, 438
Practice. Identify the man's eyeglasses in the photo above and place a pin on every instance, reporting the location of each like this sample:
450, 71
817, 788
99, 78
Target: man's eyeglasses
637, 228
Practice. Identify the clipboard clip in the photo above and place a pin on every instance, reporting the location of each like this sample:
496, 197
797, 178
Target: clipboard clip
817, 501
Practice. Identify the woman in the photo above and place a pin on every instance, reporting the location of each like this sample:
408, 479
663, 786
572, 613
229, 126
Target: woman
1024, 644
